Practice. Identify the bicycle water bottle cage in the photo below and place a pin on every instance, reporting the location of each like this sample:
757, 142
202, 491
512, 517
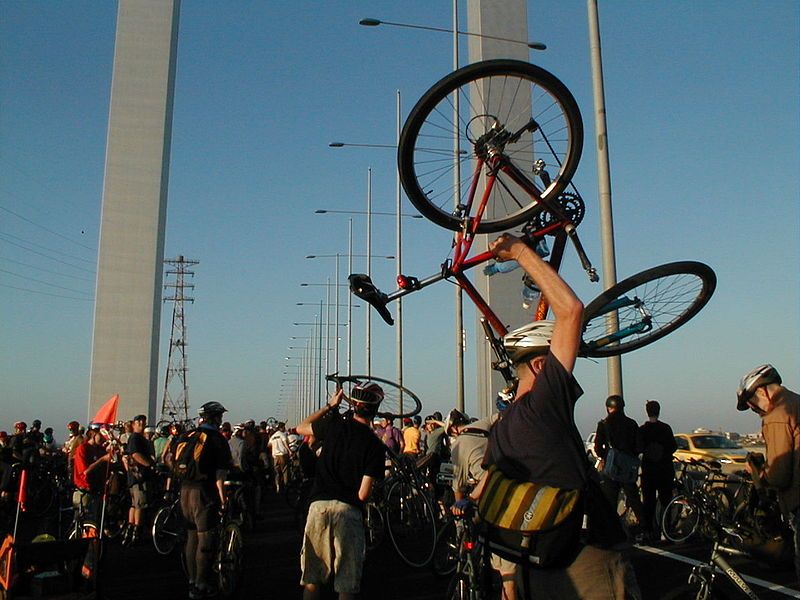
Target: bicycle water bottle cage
361, 285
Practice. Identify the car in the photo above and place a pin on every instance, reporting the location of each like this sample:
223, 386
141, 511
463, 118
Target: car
711, 446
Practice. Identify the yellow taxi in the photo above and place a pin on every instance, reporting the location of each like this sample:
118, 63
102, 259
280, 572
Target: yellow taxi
710, 446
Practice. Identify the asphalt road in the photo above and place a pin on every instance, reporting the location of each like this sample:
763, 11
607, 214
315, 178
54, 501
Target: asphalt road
272, 568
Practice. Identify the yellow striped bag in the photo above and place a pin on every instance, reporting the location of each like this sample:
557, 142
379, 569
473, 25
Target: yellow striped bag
524, 506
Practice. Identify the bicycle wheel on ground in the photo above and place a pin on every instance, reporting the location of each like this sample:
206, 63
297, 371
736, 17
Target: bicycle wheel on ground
398, 401
373, 526
230, 563
445, 554
680, 519
167, 529
411, 522
516, 118
650, 305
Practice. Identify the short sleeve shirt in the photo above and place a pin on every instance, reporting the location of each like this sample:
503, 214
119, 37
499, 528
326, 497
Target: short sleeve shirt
85, 455
349, 452
216, 456
536, 438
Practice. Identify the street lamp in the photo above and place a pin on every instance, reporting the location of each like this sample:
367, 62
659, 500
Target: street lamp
375, 22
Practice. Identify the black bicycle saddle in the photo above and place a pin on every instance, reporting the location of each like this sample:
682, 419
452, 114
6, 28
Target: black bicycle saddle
361, 285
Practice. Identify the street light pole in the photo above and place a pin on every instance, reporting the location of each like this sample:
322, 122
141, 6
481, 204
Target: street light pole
369, 267
614, 364
399, 254
456, 202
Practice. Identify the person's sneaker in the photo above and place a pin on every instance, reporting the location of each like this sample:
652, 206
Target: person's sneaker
195, 593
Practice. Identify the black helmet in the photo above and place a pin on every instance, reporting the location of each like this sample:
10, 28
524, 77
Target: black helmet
456, 418
211, 409
615, 401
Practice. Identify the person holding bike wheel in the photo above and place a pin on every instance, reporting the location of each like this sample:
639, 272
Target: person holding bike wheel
536, 439
761, 391
352, 459
202, 471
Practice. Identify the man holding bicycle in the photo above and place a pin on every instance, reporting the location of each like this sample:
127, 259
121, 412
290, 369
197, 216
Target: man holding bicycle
536, 439
761, 390
352, 459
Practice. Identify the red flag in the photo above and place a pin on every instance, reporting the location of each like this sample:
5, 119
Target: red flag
107, 414
22, 495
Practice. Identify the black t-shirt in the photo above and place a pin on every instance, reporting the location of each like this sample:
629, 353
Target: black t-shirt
536, 438
137, 472
620, 432
659, 445
350, 450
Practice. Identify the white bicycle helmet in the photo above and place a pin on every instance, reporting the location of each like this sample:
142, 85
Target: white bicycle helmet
763, 375
528, 341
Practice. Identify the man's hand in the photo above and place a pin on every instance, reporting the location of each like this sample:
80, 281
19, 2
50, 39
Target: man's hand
507, 247
460, 506
336, 399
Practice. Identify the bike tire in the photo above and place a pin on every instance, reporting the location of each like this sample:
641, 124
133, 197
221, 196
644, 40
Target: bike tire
166, 530
374, 526
680, 520
671, 294
411, 522
445, 554
398, 401
230, 561
505, 92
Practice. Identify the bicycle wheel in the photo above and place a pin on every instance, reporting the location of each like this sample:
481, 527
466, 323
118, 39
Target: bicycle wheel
231, 554
373, 526
167, 529
650, 305
411, 523
445, 554
680, 519
517, 118
398, 401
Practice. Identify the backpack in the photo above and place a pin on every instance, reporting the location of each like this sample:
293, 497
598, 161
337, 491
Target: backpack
188, 452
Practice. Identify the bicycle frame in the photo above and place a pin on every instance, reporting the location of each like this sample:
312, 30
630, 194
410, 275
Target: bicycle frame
705, 573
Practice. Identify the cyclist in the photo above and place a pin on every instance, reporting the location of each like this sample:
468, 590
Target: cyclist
658, 472
203, 495
90, 472
761, 390
620, 432
536, 438
281, 456
139, 463
352, 459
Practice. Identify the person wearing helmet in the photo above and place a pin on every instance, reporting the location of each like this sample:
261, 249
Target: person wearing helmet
352, 459
622, 433
202, 496
762, 391
536, 440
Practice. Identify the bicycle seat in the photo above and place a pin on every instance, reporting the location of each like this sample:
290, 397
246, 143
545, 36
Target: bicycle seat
361, 285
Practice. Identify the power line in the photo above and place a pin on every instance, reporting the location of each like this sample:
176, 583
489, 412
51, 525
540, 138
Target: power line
60, 287
47, 229
13, 287
3, 237
45, 270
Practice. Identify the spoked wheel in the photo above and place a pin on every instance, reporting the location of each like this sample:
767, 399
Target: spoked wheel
398, 401
517, 119
231, 554
445, 554
373, 526
167, 530
650, 305
680, 519
411, 523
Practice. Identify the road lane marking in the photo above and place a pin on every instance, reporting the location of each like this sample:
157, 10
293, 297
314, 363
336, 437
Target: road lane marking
774, 587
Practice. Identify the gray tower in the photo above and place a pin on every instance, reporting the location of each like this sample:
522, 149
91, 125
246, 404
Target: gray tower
507, 19
127, 310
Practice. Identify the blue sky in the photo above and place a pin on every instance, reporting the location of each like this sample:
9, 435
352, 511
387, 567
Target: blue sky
702, 104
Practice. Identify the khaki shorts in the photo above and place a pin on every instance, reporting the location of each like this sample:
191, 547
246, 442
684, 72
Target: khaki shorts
333, 543
139, 495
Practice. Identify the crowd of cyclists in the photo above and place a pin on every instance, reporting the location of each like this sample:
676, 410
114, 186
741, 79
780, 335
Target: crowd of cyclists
132, 465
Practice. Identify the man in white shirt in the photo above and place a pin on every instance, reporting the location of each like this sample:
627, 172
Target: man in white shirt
281, 454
